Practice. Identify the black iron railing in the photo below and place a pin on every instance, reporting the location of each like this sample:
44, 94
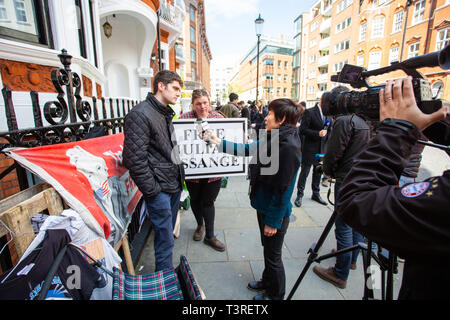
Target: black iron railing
69, 116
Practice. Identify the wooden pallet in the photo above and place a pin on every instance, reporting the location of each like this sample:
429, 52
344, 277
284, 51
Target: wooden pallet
16, 212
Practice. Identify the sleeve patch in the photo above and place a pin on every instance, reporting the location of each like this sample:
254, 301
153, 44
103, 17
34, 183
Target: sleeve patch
415, 189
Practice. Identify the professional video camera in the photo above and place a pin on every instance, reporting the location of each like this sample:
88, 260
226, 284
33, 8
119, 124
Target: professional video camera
366, 103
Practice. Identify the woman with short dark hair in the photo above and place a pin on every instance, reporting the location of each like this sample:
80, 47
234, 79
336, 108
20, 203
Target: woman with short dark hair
272, 184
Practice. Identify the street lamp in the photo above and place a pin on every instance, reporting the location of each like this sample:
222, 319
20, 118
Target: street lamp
258, 29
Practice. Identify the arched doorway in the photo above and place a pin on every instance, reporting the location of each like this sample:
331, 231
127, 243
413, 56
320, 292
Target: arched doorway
128, 50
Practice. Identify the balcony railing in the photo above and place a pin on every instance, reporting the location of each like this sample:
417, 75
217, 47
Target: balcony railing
323, 61
324, 44
173, 15
325, 26
322, 78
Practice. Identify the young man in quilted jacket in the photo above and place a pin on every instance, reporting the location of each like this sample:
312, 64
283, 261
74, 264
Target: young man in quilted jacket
149, 156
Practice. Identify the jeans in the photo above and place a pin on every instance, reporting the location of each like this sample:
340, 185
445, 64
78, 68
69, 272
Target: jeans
304, 172
345, 237
274, 277
163, 210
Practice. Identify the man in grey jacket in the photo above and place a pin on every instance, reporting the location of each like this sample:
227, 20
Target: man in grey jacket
231, 109
149, 156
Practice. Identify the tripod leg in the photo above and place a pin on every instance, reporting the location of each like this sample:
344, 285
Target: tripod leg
313, 253
390, 280
367, 256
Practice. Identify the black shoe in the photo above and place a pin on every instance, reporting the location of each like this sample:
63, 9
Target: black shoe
319, 199
263, 296
298, 202
256, 286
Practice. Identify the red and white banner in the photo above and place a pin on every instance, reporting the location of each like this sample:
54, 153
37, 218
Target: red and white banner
89, 175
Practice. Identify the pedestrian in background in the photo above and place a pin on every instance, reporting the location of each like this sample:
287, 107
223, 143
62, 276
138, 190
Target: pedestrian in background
257, 120
203, 192
314, 131
231, 109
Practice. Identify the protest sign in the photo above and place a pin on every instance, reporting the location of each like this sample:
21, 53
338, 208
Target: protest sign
202, 160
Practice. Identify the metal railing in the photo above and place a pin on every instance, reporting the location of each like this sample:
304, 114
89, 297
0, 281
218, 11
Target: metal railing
69, 116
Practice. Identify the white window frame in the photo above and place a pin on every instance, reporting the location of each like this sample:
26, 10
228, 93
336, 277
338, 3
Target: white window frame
343, 5
360, 60
374, 64
398, 22
341, 46
378, 27
413, 49
440, 44
24, 10
419, 11
394, 54
362, 31
4, 9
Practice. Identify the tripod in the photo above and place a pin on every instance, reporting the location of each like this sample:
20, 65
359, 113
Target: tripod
386, 261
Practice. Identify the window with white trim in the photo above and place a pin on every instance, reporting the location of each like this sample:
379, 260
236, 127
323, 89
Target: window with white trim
362, 31
312, 58
376, 3
360, 60
398, 22
413, 50
344, 24
20, 9
343, 5
378, 27
419, 11
338, 66
374, 60
25, 20
443, 38
311, 89
393, 54
3, 10
323, 87
314, 25
344, 45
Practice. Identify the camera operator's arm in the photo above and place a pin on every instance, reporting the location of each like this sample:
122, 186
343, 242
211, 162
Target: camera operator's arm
414, 220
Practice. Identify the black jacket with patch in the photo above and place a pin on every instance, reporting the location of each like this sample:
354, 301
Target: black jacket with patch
412, 221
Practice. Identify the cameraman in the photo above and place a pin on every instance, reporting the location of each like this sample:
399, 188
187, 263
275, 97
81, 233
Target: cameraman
414, 220
349, 136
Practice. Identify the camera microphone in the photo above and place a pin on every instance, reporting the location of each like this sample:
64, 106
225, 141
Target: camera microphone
326, 124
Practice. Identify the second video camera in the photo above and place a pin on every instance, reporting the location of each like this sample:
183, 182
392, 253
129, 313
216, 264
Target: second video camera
366, 103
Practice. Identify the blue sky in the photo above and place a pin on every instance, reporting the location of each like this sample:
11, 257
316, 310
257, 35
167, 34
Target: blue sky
230, 24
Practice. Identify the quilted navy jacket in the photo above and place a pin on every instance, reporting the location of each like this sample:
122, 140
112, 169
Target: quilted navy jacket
148, 148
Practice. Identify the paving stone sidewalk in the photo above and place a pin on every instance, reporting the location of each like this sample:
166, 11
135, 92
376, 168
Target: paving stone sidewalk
224, 275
